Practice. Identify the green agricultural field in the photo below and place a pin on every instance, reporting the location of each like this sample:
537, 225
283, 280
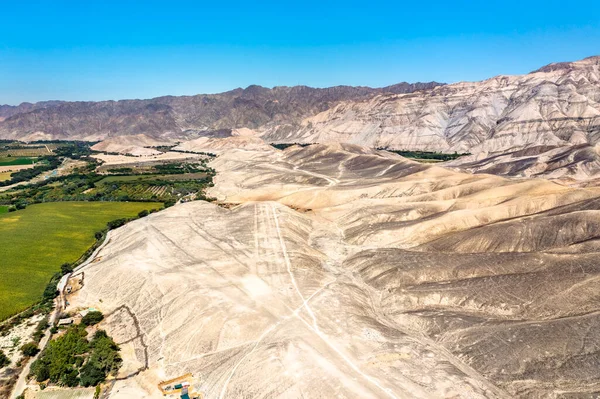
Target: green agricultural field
10, 161
34, 242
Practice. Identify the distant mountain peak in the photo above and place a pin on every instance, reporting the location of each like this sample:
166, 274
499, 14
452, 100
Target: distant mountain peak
568, 65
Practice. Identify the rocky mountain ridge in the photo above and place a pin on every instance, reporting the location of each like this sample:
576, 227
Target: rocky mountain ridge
556, 105
182, 117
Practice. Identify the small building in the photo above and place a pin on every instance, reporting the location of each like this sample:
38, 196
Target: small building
65, 322
86, 311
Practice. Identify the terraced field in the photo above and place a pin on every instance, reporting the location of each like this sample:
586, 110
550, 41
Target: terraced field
34, 243
134, 178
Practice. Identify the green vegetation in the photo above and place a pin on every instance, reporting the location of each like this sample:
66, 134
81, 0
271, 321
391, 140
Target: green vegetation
17, 149
4, 360
283, 146
72, 360
10, 161
74, 150
134, 178
30, 349
38, 241
94, 188
180, 181
426, 155
34, 243
44, 164
40, 330
92, 318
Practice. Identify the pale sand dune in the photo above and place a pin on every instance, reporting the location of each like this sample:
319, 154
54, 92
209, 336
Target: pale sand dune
135, 145
241, 139
109, 160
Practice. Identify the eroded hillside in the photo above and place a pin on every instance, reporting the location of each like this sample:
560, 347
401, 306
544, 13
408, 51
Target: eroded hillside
556, 105
340, 271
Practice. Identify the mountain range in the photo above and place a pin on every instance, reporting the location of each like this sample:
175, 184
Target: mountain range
556, 105
182, 117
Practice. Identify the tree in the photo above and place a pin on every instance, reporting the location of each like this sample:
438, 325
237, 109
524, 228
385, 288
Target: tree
4, 360
91, 374
40, 370
50, 292
116, 223
99, 334
30, 349
66, 268
92, 318
143, 213
70, 378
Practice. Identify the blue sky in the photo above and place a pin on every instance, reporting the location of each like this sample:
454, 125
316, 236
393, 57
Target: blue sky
97, 50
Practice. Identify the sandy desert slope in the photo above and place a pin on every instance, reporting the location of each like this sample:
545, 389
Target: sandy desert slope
340, 271
574, 165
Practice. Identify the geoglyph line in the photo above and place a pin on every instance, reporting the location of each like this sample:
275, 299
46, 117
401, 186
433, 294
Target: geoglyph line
315, 327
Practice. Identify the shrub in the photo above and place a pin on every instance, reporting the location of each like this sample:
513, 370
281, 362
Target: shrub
116, 223
143, 213
50, 292
30, 349
100, 334
40, 330
4, 360
66, 268
92, 318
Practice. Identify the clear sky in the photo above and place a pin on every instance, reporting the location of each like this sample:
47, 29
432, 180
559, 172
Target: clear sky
104, 49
